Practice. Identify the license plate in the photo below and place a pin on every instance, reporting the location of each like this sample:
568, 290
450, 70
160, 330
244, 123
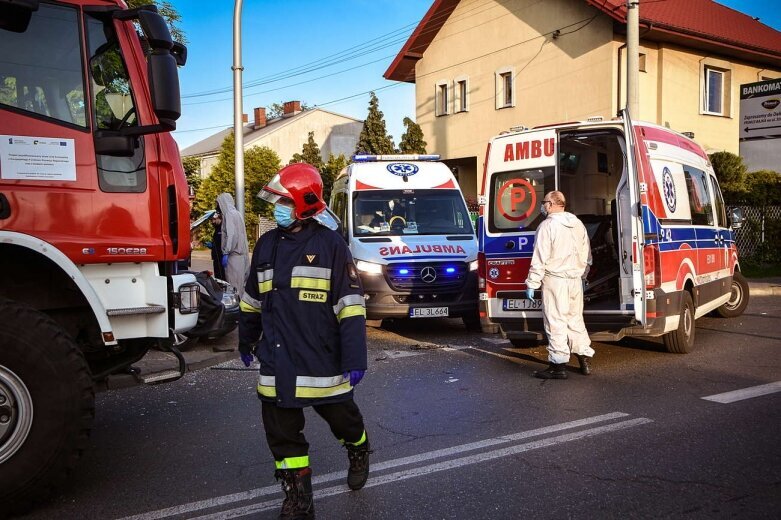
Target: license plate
428, 312
521, 305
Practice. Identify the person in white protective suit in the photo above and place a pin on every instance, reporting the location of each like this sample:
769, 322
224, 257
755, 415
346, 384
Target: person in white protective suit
561, 260
235, 250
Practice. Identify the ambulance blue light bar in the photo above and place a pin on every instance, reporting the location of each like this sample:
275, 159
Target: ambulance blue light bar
398, 157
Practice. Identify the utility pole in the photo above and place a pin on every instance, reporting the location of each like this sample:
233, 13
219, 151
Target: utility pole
632, 55
238, 110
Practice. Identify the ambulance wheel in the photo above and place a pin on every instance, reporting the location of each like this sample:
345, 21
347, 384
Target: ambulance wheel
47, 404
681, 340
738, 298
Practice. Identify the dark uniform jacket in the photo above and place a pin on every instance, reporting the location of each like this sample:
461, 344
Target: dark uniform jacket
304, 300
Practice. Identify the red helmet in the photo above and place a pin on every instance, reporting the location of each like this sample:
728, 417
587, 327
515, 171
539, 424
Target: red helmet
302, 184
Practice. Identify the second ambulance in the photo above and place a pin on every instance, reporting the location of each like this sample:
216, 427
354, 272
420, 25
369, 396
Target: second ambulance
662, 241
410, 235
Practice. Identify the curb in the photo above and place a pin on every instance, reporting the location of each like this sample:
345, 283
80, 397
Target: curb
764, 289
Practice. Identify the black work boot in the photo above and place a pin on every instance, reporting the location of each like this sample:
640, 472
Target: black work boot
359, 465
297, 485
585, 364
554, 371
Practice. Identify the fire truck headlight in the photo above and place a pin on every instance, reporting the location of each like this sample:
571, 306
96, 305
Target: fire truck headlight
473, 265
368, 267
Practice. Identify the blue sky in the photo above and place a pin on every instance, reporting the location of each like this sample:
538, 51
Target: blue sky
282, 38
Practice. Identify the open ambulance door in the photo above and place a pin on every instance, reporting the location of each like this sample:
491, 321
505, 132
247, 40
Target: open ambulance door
630, 226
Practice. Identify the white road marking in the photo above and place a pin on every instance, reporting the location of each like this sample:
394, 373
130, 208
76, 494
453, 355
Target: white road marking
745, 393
495, 341
437, 467
375, 467
508, 358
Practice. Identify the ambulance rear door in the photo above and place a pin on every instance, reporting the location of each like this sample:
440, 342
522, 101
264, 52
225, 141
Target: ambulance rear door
631, 221
521, 169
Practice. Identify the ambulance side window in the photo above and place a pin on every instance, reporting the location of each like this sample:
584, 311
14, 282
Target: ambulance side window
718, 202
699, 197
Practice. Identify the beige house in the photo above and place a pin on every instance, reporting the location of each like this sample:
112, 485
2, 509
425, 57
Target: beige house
334, 134
483, 67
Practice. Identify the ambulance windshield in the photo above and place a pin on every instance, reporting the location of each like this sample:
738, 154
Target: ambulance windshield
515, 198
410, 212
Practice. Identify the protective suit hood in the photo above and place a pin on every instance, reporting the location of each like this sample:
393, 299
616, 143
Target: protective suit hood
565, 218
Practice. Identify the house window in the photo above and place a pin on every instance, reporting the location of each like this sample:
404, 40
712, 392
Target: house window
505, 88
441, 99
715, 86
461, 94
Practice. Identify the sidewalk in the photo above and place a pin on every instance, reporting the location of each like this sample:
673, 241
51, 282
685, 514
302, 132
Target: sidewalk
205, 354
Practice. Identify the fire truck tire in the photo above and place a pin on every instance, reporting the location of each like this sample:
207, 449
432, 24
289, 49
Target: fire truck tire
738, 298
681, 340
48, 404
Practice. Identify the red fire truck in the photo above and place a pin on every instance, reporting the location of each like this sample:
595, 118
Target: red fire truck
93, 217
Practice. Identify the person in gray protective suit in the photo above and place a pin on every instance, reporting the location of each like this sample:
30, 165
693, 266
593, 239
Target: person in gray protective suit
560, 263
235, 250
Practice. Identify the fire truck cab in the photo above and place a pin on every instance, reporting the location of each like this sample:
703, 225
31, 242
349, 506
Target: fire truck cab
662, 241
94, 214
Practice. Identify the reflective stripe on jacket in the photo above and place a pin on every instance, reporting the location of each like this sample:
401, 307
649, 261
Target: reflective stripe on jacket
304, 302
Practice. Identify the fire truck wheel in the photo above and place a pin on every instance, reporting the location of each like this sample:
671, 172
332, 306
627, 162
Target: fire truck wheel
738, 298
681, 340
47, 403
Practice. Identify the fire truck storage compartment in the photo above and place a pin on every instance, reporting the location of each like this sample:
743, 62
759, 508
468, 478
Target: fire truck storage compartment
591, 164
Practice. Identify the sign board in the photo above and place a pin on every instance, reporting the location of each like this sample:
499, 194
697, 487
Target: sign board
37, 158
760, 109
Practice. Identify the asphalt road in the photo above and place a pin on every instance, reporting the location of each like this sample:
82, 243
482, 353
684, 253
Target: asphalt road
461, 429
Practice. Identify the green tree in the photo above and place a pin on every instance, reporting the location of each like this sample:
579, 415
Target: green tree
374, 138
731, 173
192, 172
329, 172
260, 164
169, 14
412, 139
310, 153
764, 188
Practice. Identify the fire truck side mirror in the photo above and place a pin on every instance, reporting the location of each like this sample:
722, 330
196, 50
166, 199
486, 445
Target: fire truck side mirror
180, 53
15, 14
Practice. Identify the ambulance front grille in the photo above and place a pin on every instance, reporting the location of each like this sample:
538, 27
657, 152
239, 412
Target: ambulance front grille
427, 277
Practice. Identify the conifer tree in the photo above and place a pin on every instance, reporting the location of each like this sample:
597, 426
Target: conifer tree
310, 153
412, 140
374, 138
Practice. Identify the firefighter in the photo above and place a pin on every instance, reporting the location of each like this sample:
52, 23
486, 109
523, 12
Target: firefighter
304, 318
561, 260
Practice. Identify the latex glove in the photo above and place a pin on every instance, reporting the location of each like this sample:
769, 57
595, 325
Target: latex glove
208, 244
355, 376
225, 260
530, 293
247, 359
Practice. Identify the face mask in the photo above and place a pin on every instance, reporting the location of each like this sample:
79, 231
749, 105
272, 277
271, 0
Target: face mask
543, 209
283, 215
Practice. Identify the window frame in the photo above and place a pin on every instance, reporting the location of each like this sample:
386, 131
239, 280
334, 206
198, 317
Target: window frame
706, 90
502, 78
461, 95
441, 98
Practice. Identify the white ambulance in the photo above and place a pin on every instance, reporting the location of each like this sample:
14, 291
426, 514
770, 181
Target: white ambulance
410, 235
662, 241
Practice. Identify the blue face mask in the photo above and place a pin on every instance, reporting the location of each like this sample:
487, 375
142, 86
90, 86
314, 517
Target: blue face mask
283, 215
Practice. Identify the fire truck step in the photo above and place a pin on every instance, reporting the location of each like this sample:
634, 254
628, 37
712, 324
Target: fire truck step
128, 311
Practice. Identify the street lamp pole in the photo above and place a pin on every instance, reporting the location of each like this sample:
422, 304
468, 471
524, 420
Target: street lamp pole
238, 111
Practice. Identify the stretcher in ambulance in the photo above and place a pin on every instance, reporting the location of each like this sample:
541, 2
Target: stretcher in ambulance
410, 235
662, 241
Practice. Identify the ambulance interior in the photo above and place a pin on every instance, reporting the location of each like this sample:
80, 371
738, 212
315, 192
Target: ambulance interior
592, 176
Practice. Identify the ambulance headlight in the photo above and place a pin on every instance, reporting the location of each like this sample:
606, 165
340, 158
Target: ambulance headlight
473, 265
368, 267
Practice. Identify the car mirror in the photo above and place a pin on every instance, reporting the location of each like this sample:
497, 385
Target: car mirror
736, 218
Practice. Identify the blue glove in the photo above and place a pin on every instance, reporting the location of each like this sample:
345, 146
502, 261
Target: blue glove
530, 293
247, 359
208, 244
225, 260
355, 376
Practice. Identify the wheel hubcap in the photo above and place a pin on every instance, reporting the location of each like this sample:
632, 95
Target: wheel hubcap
736, 294
16, 413
687, 322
